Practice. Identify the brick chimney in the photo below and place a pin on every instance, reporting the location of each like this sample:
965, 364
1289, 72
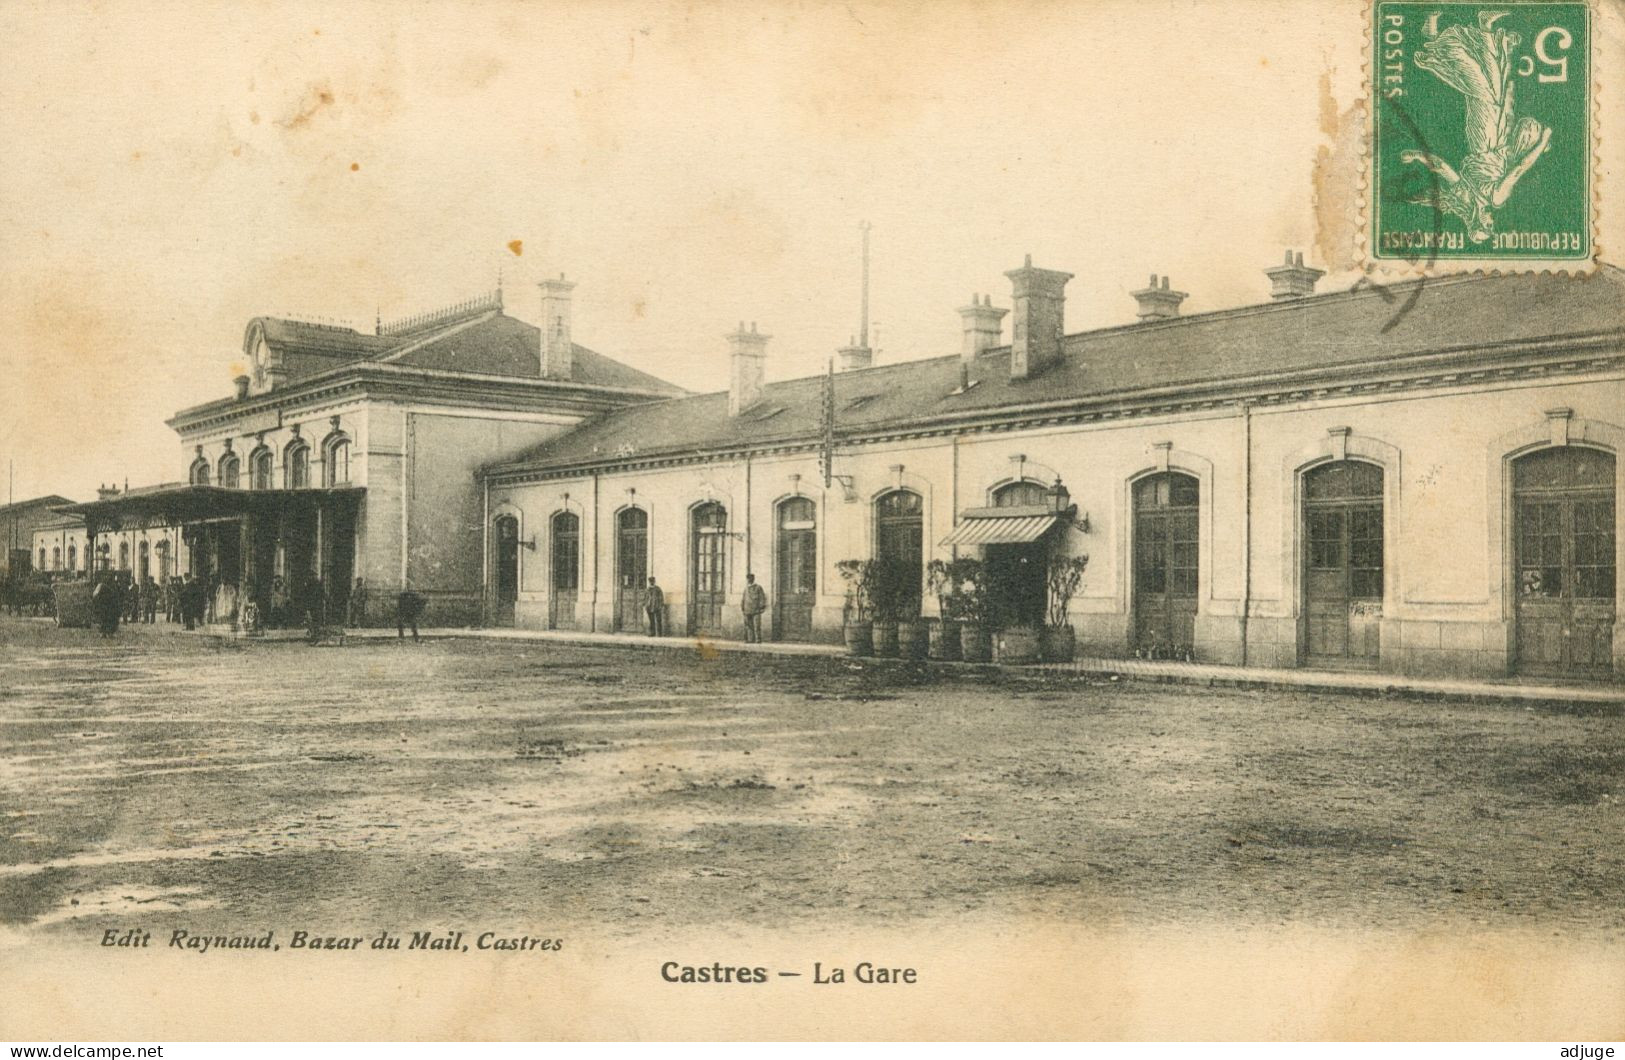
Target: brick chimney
1291, 279
1158, 302
558, 351
747, 356
854, 356
983, 327
1038, 320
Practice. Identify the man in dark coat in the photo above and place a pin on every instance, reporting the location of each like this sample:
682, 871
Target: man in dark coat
753, 603
107, 604
408, 606
654, 606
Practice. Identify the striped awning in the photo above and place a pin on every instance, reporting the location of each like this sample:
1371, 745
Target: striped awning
1014, 528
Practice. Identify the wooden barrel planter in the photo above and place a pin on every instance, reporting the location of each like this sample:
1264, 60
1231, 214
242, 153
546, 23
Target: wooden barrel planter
912, 640
859, 638
1016, 645
944, 639
885, 639
975, 645
1057, 644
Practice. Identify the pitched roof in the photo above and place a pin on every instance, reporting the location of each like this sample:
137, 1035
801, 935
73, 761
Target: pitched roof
50, 500
1347, 332
495, 344
477, 337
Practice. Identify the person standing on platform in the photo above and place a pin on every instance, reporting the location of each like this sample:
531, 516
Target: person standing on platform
107, 604
355, 608
654, 606
408, 606
753, 603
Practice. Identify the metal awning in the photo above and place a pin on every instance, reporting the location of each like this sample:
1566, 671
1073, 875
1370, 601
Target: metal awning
178, 505
1004, 526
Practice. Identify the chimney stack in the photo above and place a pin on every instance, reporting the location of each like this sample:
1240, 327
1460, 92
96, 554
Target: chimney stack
983, 327
241, 383
1159, 303
1291, 279
747, 355
1037, 326
854, 356
558, 350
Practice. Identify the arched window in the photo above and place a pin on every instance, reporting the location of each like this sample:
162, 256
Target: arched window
795, 581
296, 466
200, 472
259, 464
42, 559
229, 470
1020, 495
566, 551
73, 556
336, 460
56, 557
123, 555
631, 567
900, 541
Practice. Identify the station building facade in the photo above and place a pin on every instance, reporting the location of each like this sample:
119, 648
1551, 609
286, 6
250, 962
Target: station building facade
345, 455
1423, 478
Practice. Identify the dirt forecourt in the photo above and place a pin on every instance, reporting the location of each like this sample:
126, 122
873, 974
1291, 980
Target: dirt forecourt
202, 784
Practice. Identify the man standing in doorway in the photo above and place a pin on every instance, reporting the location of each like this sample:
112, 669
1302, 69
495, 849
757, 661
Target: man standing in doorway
753, 604
654, 606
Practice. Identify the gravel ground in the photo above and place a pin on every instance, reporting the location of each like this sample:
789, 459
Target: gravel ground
382, 783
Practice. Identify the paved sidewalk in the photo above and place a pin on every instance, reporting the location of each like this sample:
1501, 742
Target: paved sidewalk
1182, 673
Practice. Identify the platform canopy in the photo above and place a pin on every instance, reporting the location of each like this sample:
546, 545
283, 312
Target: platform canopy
183, 505
1005, 526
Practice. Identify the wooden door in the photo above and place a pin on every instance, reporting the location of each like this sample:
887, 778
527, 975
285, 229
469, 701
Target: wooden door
1563, 540
1166, 565
507, 569
1343, 564
709, 568
795, 582
566, 570
900, 540
631, 567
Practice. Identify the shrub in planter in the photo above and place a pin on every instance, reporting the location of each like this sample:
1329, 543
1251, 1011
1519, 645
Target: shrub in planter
1065, 577
857, 626
892, 593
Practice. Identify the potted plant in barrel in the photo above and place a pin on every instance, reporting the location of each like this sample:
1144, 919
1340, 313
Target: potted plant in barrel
911, 629
944, 632
857, 627
886, 594
975, 638
1058, 642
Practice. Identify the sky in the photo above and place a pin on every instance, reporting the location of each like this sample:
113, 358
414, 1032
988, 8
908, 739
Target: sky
173, 170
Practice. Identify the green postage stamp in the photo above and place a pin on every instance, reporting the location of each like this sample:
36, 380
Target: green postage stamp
1481, 135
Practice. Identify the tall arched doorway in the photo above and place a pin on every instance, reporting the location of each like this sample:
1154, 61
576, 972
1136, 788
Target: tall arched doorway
631, 567
1167, 525
708, 567
795, 582
507, 568
566, 570
1017, 573
900, 541
1343, 564
1563, 558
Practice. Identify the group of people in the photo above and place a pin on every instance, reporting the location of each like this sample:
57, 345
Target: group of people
753, 604
117, 596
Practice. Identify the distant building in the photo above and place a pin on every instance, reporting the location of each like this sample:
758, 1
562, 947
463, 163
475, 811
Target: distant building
1422, 478
18, 522
345, 455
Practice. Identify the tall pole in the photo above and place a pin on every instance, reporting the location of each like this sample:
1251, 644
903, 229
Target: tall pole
863, 330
